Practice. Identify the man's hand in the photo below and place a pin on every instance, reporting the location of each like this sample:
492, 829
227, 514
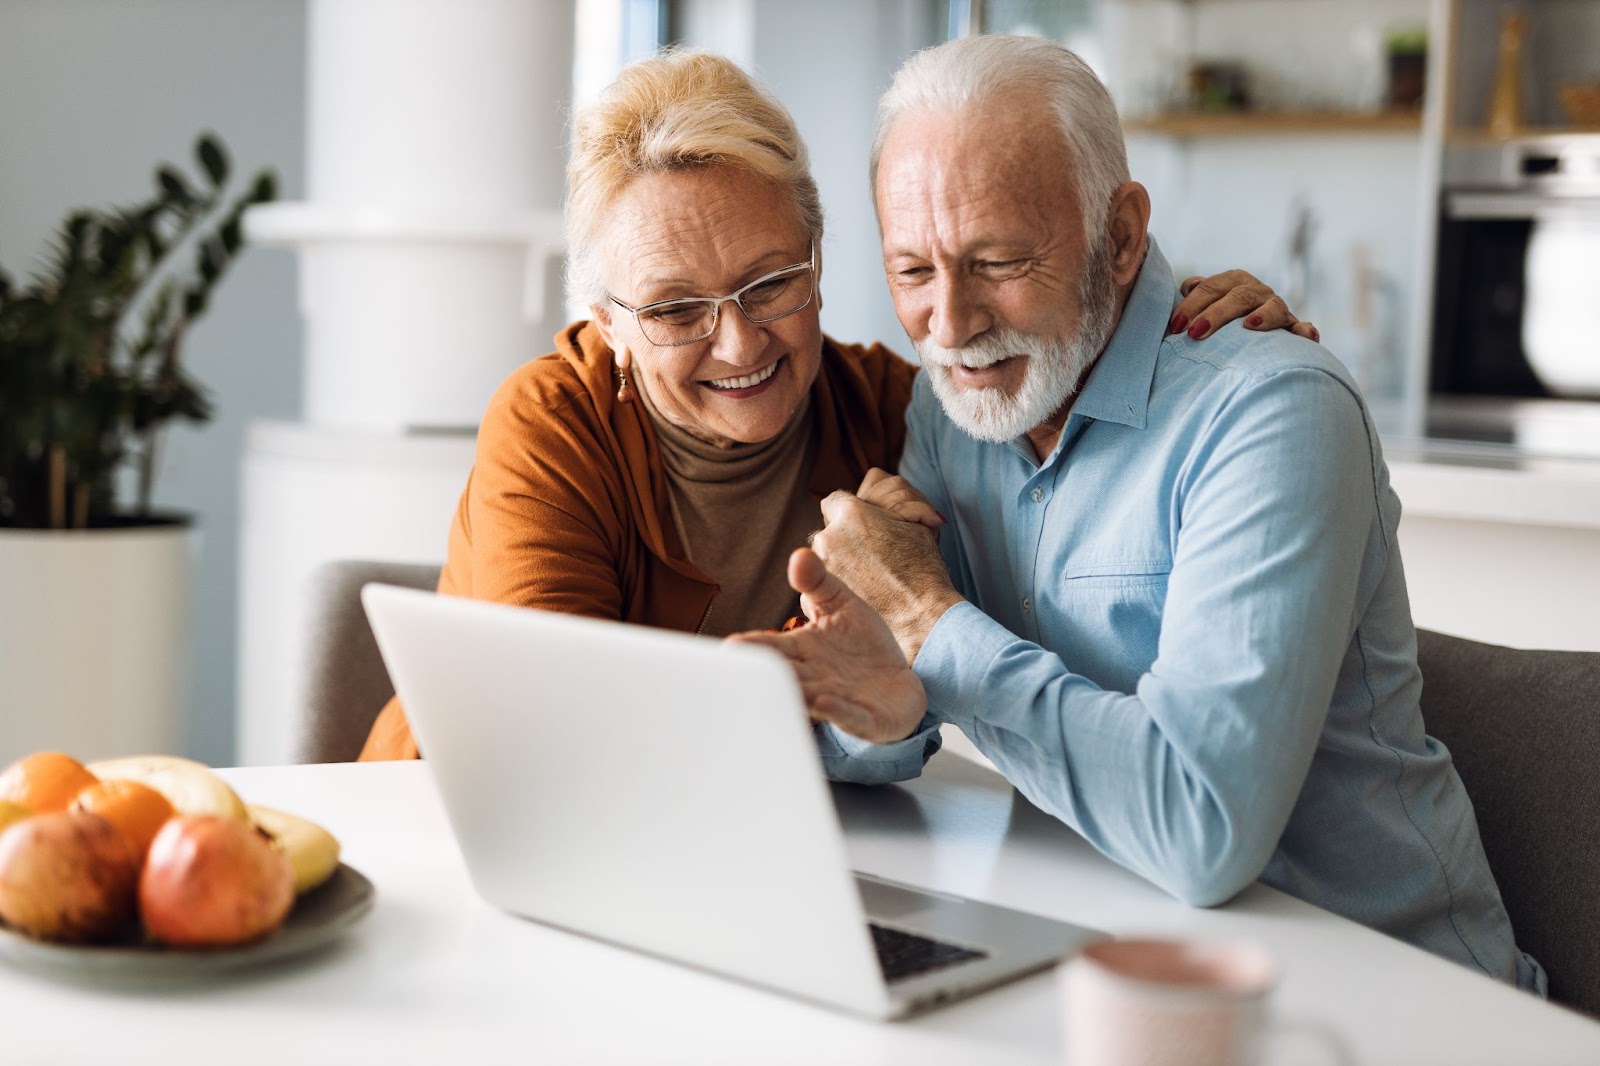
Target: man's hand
851, 671
891, 563
894, 494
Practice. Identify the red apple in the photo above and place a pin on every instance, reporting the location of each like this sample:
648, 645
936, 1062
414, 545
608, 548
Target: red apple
67, 875
213, 882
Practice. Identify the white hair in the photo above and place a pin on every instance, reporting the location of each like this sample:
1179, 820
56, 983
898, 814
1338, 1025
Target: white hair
971, 70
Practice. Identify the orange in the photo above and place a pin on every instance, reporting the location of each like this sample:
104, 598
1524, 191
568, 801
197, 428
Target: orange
137, 811
45, 781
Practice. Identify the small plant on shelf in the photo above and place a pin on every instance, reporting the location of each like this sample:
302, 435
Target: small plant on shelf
91, 368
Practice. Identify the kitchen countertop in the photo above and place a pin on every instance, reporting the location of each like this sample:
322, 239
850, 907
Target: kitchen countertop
1521, 462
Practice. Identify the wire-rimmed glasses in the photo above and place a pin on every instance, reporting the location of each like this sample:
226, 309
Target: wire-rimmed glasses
669, 323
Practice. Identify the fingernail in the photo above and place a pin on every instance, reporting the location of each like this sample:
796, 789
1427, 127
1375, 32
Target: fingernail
1199, 329
942, 518
1179, 320
1253, 320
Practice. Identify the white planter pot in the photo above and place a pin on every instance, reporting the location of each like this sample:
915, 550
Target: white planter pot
95, 629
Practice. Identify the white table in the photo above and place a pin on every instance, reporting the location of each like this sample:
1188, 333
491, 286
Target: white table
434, 975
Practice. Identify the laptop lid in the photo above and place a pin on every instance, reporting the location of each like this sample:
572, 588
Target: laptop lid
641, 786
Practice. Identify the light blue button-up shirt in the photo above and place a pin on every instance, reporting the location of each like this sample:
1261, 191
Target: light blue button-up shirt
1188, 636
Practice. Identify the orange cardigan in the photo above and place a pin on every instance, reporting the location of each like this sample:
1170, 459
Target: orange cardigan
566, 507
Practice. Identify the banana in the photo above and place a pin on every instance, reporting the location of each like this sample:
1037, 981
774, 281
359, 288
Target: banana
191, 787
312, 850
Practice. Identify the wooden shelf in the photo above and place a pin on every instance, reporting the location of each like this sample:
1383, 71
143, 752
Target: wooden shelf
1527, 133
1268, 123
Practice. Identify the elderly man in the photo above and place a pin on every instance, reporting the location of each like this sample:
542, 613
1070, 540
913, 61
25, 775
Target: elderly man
1164, 596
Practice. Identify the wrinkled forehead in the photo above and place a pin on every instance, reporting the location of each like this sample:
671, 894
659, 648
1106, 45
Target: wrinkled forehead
1005, 158
702, 227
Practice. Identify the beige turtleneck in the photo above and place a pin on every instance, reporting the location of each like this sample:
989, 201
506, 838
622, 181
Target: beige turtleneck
740, 511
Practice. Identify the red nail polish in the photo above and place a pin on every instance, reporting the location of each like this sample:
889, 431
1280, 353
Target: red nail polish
1253, 320
1179, 320
1199, 329
942, 518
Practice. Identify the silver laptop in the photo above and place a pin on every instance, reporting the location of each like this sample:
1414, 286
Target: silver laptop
663, 792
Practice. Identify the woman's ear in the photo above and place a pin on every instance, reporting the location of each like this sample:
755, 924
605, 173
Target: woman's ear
608, 332
1129, 228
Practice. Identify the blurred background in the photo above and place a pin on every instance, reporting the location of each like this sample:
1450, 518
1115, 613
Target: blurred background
1419, 177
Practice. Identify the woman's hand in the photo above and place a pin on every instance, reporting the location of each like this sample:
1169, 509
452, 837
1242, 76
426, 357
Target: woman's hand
1209, 303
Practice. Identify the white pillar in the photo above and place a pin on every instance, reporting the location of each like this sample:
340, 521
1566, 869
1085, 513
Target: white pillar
429, 251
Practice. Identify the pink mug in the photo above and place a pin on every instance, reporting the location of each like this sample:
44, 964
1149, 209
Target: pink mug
1166, 1002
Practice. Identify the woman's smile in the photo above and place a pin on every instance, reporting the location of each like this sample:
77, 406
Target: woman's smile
747, 385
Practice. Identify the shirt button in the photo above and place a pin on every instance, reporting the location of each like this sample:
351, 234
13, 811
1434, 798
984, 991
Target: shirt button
1027, 604
1038, 495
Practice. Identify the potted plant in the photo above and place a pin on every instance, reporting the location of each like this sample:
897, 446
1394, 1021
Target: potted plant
95, 591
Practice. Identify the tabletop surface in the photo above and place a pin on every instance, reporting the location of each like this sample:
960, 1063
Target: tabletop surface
434, 974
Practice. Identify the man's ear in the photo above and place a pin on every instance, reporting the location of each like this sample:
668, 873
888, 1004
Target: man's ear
816, 280
1129, 227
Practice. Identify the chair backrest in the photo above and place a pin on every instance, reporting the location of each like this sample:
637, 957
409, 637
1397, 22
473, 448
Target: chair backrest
346, 684
1524, 730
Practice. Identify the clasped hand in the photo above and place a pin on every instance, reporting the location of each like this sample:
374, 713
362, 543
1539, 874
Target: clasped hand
872, 584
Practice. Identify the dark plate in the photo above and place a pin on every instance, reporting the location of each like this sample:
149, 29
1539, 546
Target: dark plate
317, 918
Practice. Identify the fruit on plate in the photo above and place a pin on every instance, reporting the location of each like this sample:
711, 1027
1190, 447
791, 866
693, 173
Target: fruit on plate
191, 787
67, 875
13, 812
313, 851
44, 781
136, 810
213, 882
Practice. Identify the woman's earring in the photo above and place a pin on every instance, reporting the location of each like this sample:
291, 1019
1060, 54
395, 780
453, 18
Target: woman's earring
624, 394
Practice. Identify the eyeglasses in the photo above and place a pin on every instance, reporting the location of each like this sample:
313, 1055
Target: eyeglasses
669, 323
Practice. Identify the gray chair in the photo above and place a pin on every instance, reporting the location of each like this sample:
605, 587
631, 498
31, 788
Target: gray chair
1524, 729
346, 684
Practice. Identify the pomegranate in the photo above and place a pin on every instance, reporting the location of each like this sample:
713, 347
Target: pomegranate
67, 875
212, 882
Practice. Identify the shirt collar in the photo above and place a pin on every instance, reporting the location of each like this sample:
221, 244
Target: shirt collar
1118, 387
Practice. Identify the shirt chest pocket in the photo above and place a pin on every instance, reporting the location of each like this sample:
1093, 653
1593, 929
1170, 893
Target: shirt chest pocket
1105, 619
1136, 579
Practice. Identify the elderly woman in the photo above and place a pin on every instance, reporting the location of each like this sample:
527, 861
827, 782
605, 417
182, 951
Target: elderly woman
660, 465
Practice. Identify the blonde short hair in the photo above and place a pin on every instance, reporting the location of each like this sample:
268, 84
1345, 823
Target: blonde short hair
678, 109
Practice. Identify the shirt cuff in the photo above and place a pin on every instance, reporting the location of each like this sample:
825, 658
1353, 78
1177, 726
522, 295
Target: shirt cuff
954, 660
849, 758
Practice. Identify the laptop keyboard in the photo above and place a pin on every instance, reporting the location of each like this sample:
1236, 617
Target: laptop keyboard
902, 954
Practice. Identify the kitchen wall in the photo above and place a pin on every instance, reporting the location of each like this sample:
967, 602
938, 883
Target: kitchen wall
93, 95
1234, 201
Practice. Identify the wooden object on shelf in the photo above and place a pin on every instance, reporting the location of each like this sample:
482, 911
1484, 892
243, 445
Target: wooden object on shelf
1505, 100
1260, 123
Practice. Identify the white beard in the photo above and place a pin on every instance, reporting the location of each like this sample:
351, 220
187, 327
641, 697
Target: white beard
1056, 365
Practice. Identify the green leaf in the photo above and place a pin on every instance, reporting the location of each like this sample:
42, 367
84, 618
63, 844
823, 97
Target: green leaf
210, 260
265, 188
213, 158
174, 189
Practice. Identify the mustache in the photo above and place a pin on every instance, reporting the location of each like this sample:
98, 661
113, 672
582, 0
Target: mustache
987, 350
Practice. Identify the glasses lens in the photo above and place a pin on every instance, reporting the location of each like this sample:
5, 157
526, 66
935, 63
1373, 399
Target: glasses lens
782, 294
677, 323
